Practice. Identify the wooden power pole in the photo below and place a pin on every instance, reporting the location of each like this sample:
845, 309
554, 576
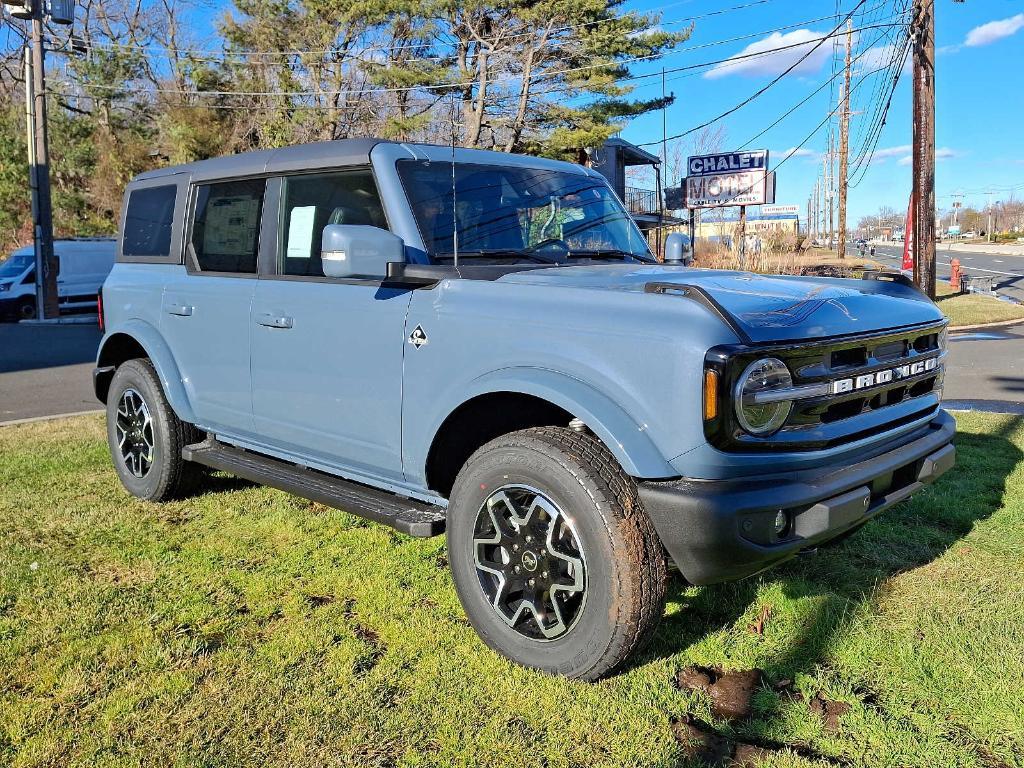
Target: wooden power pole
844, 140
39, 175
924, 146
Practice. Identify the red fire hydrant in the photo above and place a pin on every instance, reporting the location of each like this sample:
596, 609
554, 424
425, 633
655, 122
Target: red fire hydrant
954, 278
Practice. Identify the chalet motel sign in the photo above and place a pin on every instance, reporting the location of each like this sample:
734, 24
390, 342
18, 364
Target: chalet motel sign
731, 178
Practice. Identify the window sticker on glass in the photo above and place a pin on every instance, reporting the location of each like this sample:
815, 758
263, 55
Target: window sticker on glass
300, 232
231, 225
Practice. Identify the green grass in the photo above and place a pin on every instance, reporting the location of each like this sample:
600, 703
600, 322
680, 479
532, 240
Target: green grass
245, 627
974, 308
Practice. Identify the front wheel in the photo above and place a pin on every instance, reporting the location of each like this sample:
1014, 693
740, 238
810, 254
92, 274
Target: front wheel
553, 556
146, 437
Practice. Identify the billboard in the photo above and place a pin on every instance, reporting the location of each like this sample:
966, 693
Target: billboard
729, 178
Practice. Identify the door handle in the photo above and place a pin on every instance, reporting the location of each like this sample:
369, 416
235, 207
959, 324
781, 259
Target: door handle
183, 310
275, 321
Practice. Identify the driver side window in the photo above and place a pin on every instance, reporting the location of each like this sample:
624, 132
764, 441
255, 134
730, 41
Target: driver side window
310, 203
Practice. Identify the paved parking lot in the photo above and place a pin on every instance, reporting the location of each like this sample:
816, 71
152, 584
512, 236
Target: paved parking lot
46, 370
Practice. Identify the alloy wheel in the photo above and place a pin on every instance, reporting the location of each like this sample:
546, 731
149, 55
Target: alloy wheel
530, 562
134, 430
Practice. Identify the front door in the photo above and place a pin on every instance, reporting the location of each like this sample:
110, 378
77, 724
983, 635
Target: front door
327, 353
205, 311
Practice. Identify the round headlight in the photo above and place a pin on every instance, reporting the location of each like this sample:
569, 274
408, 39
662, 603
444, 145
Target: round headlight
762, 376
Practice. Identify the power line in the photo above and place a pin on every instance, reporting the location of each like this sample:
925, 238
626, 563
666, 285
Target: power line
765, 88
804, 100
198, 53
441, 86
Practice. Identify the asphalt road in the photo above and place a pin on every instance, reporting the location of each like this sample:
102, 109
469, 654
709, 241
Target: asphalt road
1006, 271
46, 370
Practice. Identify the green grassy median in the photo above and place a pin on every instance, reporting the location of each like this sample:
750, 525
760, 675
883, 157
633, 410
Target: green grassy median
246, 627
974, 308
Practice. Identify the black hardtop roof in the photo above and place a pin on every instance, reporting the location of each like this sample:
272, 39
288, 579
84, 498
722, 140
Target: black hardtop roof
321, 153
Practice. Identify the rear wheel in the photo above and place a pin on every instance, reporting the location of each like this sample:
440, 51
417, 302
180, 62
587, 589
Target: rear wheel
27, 309
146, 437
553, 557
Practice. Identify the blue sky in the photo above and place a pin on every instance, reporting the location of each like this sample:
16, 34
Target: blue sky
979, 108
979, 76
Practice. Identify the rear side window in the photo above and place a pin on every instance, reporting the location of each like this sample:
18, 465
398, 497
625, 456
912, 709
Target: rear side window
148, 221
226, 225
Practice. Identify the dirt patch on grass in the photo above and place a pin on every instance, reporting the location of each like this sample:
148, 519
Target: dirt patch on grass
730, 692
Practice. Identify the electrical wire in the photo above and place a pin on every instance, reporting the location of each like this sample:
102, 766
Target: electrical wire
442, 86
763, 89
197, 53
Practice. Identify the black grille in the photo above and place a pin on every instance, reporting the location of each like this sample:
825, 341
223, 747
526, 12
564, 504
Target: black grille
908, 392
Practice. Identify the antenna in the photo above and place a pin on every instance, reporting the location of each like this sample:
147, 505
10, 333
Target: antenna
455, 212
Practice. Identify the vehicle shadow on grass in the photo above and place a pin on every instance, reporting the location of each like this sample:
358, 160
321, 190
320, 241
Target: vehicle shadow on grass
842, 578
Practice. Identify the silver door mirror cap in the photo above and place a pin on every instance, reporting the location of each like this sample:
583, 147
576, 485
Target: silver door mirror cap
358, 250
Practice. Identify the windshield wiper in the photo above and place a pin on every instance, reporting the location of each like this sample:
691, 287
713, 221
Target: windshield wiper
607, 253
497, 253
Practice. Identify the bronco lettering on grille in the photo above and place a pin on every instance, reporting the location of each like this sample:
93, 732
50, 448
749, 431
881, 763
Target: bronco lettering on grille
841, 386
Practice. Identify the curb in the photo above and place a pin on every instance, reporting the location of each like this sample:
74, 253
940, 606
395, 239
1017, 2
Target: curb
1004, 407
33, 419
979, 326
64, 320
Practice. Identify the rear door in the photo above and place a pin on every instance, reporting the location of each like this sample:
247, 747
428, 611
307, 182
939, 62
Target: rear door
205, 312
326, 352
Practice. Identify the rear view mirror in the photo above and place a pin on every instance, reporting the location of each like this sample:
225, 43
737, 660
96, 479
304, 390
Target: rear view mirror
357, 250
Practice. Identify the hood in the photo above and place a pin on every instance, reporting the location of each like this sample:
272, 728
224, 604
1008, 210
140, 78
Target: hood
764, 308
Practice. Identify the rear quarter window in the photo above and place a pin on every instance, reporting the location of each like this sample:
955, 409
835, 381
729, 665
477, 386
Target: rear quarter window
148, 221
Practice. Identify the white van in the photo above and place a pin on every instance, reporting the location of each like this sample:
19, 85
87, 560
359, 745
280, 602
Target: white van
83, 265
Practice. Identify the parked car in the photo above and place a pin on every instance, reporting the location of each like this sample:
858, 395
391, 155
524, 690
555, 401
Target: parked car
482, 345
83, 265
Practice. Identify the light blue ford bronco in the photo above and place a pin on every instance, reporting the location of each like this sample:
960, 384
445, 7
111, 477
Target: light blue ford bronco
481, 344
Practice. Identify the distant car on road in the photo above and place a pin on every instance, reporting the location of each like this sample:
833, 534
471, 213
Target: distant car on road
82, 266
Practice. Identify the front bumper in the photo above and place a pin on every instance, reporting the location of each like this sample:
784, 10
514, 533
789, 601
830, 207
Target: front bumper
722, 530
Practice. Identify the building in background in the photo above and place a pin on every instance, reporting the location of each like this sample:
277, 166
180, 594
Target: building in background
611, 160
725, 228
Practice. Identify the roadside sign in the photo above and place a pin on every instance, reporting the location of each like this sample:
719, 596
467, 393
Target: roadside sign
780, 210
953, 230
730, 178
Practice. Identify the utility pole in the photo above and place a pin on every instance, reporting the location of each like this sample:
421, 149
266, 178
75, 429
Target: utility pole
830, 186
924, 146
39, 174
988, 228
844, 140
814, 217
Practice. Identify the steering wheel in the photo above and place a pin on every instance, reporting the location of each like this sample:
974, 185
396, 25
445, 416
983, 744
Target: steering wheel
547, 243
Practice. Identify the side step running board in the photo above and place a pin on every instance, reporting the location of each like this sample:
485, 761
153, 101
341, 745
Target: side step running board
415, 518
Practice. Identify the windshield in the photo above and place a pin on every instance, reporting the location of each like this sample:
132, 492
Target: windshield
15, 264
509, 211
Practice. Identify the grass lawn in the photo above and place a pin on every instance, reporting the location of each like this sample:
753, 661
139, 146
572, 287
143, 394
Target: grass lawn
974, 308
246, 627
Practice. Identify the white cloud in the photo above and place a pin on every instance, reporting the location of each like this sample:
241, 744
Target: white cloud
774, 62
942, 153
994, 30
877, 58
887, 152
794, 152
